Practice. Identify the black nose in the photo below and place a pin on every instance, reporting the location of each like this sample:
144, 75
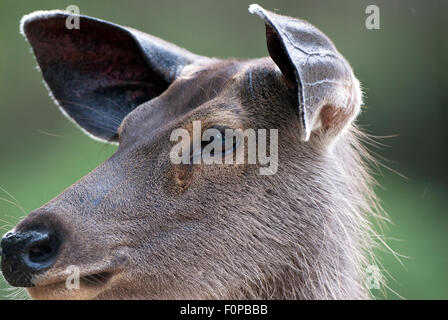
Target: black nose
26, 253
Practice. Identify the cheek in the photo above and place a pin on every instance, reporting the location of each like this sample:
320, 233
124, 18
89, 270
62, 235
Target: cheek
184, 177
180, 177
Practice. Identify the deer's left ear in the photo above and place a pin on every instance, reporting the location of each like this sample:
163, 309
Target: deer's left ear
328, 94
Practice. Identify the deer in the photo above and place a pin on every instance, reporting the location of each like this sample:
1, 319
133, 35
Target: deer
142, 227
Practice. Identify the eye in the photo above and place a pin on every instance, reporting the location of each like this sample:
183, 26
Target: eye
229, 141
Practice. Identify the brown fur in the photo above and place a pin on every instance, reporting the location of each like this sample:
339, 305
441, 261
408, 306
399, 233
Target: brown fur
149, 229
219, 231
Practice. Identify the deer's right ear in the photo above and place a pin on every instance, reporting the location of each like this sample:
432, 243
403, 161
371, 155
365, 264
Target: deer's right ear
101, 71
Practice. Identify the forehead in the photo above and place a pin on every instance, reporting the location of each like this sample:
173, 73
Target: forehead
222, 81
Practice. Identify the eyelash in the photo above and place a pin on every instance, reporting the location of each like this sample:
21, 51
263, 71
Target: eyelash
222, 129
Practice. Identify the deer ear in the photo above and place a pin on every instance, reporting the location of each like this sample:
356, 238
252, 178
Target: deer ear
101, 71
328, 94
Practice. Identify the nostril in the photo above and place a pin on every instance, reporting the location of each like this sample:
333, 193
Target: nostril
42, 248
26, 253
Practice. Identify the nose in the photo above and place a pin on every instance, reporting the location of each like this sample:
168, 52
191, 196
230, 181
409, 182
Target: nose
26, 253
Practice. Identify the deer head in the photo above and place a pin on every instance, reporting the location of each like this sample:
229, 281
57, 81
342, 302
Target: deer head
141, 226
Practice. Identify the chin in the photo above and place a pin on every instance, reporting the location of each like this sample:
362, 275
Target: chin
60, 292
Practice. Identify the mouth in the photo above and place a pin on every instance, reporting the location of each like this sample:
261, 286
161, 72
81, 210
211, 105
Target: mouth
88, 276
83, 282
98, 279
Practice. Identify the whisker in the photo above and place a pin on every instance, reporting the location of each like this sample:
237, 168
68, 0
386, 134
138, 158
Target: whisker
17, 203
8, 201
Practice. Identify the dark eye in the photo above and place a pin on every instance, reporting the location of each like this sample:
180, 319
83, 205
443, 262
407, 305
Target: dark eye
229, 142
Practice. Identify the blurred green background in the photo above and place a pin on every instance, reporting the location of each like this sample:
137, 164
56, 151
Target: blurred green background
402, 67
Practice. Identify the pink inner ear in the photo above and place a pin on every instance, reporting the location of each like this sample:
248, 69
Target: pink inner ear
335, 118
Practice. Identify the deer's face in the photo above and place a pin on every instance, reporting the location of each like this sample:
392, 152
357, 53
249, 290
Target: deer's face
143, 226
